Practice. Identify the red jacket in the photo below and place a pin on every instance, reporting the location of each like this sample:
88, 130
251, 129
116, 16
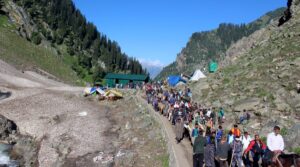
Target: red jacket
252, 144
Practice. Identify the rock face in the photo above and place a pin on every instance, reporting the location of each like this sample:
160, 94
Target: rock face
249, 104
21, 18
7, 127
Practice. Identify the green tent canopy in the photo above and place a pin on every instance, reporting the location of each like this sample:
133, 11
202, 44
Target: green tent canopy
213, 66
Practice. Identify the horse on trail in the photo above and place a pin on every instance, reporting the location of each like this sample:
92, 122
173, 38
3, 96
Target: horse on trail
285, 160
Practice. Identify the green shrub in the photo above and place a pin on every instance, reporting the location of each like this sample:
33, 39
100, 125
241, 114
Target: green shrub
296, 150
36, 38
226, 80
264, 139
284, 131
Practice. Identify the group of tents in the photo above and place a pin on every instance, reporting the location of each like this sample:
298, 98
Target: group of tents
103, 93
175, 80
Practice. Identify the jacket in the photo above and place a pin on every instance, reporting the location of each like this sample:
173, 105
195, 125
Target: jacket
236, 132
222, 150
199, 144
252, 146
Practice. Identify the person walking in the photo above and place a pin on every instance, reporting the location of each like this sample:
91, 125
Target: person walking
219, 134
246, 139
237, 152
195, 132
220, 116
236, 131
230, 137
179, 128
222, 152
198, 149
255, 151
209, 152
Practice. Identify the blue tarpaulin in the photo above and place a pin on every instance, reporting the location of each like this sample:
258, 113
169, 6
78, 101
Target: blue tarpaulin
174, 80
93, 90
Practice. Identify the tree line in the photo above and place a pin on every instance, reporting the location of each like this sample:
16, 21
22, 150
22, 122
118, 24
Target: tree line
61, 23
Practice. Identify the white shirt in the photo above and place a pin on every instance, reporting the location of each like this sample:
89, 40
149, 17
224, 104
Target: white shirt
246, 142
275, 142
208, 113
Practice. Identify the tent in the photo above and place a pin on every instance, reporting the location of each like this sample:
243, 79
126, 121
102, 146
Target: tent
100, 91
197, 75
113, 93
212, 67
93, 91
174, 80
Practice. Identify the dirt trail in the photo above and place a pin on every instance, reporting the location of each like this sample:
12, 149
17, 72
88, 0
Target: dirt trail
183, 151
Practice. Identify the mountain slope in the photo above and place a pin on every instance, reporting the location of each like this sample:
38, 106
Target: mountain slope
262, 78
212, 45
59, 26
28, 56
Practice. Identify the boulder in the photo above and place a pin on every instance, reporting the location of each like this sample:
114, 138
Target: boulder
250, 104
7, 127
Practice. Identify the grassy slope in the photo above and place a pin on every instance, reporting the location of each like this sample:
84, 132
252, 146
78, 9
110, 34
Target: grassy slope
23, 54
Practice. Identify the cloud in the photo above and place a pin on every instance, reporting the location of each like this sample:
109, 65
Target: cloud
151, 63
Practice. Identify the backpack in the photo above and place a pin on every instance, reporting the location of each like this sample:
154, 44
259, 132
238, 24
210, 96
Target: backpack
238, 148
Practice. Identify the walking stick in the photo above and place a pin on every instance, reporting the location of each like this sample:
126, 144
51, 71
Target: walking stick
232, 154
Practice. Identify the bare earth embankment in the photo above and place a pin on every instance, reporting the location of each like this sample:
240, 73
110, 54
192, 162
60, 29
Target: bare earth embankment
70, 130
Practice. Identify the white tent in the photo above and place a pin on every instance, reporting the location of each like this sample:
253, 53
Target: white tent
197, 75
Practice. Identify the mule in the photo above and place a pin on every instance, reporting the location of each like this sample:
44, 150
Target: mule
286, 160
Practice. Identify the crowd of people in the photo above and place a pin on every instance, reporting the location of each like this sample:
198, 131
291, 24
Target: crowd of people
212, 144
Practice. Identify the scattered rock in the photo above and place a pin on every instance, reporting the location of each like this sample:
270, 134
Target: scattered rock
128, 126
249, 104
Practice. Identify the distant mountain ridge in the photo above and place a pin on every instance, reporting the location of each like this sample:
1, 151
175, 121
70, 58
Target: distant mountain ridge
212, 45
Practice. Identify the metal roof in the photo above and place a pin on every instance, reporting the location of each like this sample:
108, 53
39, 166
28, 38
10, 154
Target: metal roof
126, 77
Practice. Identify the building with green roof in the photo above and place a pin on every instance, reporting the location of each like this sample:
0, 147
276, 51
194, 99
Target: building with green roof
112, 79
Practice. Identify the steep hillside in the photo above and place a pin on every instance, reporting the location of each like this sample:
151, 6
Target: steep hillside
58, 26
28, 56
261, 76
212, 45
